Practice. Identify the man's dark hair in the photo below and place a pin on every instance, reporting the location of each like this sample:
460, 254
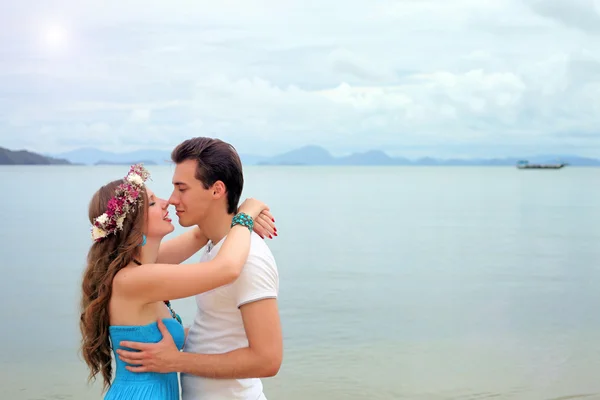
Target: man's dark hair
217, 161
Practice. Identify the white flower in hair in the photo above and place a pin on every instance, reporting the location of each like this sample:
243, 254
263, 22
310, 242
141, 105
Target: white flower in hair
98, 233
103, 219
135, 179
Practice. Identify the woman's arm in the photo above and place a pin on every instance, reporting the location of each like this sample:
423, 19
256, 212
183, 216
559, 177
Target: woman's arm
182, 247
156, 282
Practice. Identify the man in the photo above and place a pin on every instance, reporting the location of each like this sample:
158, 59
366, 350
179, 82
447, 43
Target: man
236, 336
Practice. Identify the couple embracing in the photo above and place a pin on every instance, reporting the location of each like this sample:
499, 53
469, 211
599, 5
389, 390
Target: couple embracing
131, 276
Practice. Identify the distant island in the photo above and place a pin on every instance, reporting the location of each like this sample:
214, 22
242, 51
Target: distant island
24, 157
305, 156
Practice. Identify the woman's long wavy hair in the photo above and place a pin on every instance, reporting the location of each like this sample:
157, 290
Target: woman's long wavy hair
104, 260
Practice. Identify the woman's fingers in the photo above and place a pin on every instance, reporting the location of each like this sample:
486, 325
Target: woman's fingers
270, 224
264, 226
268, 214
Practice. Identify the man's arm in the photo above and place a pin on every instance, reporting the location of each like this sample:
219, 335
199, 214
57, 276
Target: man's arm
181, 247
262, 358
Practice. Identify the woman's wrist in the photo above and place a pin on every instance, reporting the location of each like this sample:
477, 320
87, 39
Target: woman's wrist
243, 219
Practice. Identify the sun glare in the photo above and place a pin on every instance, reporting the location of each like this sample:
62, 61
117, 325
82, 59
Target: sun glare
55, 38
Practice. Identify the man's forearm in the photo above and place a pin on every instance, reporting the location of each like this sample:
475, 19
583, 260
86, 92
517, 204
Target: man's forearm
237, 364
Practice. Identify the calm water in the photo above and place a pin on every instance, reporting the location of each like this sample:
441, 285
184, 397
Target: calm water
416, 283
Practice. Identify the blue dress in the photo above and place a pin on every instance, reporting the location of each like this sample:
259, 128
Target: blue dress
144, 385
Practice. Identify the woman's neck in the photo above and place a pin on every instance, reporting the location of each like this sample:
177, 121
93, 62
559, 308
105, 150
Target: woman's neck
149, 252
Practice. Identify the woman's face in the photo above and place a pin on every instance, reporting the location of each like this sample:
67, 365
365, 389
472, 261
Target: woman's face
159, 223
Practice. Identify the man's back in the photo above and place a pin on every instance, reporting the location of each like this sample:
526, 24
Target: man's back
218, 326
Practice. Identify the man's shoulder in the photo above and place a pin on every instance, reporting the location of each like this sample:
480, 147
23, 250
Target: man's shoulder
260, 257
259, 247
259, 278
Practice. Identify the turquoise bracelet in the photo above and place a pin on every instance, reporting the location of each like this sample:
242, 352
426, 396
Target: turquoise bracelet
244, 220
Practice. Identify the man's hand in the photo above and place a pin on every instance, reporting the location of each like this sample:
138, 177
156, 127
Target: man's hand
151, 357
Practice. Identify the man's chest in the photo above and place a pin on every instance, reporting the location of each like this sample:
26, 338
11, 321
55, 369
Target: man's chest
218, 306
218, 320
219, 300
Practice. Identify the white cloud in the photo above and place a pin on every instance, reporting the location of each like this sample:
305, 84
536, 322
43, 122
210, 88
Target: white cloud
140, 115
577, 14
271, 75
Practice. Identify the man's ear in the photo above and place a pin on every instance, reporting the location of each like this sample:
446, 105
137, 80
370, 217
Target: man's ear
218, 190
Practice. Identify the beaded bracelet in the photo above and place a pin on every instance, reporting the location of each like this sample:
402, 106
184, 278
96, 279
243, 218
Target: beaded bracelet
244, 220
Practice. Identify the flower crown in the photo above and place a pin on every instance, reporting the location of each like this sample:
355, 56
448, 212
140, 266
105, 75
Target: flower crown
126, 196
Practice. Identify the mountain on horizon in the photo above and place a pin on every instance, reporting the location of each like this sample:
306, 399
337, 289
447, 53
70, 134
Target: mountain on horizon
307, 155
145, 162
92, 156
24, 157
318, 156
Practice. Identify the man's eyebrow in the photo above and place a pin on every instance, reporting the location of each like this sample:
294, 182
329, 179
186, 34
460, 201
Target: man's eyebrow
179, 183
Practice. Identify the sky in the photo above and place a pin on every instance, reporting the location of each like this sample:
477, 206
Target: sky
460, 78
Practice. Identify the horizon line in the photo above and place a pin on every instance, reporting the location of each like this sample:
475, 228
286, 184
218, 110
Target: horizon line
372, 150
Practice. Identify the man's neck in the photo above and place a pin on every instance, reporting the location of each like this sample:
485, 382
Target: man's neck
216, 226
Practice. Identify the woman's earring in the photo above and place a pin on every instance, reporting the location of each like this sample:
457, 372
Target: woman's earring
143, 240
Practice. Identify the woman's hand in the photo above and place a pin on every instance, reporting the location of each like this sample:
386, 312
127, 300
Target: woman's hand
253, 207
264, 225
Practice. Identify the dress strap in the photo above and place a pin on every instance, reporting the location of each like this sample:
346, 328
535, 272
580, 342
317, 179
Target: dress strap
173, 313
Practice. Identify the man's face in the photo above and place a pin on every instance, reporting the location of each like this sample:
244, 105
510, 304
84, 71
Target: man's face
190, 198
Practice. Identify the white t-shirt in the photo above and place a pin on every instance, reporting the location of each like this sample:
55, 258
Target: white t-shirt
218, 326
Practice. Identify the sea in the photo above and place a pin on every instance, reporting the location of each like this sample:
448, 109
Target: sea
395, 282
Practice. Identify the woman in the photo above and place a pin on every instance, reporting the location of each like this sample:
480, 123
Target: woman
124, 288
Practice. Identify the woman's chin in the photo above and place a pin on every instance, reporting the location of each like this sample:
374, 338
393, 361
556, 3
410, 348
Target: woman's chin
167, 229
